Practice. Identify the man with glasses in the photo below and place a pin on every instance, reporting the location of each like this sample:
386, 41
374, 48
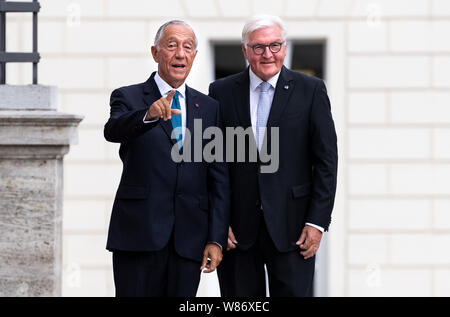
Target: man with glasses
277, 219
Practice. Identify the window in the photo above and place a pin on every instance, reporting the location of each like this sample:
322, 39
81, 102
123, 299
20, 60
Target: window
228, 59
308, 57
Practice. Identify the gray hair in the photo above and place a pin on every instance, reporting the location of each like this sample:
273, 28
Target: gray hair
161, 29
261, 21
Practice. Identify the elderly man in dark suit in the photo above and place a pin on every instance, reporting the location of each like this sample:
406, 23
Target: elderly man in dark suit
169, 217
277, 218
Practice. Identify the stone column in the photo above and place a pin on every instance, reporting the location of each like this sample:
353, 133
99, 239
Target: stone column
34, 137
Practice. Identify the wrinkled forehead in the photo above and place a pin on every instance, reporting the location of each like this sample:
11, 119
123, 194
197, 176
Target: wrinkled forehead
178, 32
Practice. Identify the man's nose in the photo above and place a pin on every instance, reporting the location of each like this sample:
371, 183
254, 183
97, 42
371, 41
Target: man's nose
180, 53
267, 52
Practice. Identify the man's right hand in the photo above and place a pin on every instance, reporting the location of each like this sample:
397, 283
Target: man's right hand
161, 108
231, 240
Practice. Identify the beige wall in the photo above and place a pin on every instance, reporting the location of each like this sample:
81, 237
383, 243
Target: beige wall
388, 75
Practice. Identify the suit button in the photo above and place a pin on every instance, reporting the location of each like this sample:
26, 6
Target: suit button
258, 202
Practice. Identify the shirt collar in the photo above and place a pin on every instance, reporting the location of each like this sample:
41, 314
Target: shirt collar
255, 80
165, 88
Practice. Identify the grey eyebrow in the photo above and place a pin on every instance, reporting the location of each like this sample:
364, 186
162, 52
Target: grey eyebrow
175, 39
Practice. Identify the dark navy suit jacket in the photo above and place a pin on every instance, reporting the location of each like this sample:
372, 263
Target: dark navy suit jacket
303, 188
157, 196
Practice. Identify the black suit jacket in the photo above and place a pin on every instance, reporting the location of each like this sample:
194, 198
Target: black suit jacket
303, 188
156, 195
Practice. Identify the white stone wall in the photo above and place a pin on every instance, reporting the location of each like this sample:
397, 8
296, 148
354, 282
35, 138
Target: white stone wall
388, 74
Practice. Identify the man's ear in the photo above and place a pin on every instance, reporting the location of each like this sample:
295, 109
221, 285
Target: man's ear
244, 50
154, 53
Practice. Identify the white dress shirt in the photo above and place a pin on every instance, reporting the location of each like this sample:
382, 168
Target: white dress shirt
164, 90
255, 90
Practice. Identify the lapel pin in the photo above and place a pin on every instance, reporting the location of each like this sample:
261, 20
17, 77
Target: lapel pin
196, 105
286, 87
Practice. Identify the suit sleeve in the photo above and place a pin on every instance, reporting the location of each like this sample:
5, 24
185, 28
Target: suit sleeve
219, 197
124, 122
324, 158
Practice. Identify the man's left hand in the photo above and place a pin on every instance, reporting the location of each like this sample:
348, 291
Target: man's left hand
214, 253
309, 241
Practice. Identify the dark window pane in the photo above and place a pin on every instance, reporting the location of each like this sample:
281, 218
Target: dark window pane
308, 58
228, 59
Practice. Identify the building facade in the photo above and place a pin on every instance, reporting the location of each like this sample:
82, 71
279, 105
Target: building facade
387, 69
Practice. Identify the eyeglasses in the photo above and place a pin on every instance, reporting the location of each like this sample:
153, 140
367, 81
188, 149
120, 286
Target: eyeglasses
259, 49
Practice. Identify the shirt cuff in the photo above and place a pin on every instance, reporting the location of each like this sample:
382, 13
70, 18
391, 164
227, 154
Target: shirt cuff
217, 244
149, 121
315, 226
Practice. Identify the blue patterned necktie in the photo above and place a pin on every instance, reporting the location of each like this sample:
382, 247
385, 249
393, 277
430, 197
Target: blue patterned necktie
264, 104
176, 120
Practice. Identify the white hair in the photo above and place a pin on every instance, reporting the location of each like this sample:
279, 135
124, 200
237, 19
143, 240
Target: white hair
161, 29
261, 21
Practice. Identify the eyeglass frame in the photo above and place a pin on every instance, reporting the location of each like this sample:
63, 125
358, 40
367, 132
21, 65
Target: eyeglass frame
266, 46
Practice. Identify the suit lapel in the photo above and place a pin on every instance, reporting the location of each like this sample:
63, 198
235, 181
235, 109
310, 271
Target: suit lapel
192, 108
242, 98
284, 88
151, 91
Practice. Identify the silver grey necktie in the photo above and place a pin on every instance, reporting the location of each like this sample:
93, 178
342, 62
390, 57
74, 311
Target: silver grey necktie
262, 113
